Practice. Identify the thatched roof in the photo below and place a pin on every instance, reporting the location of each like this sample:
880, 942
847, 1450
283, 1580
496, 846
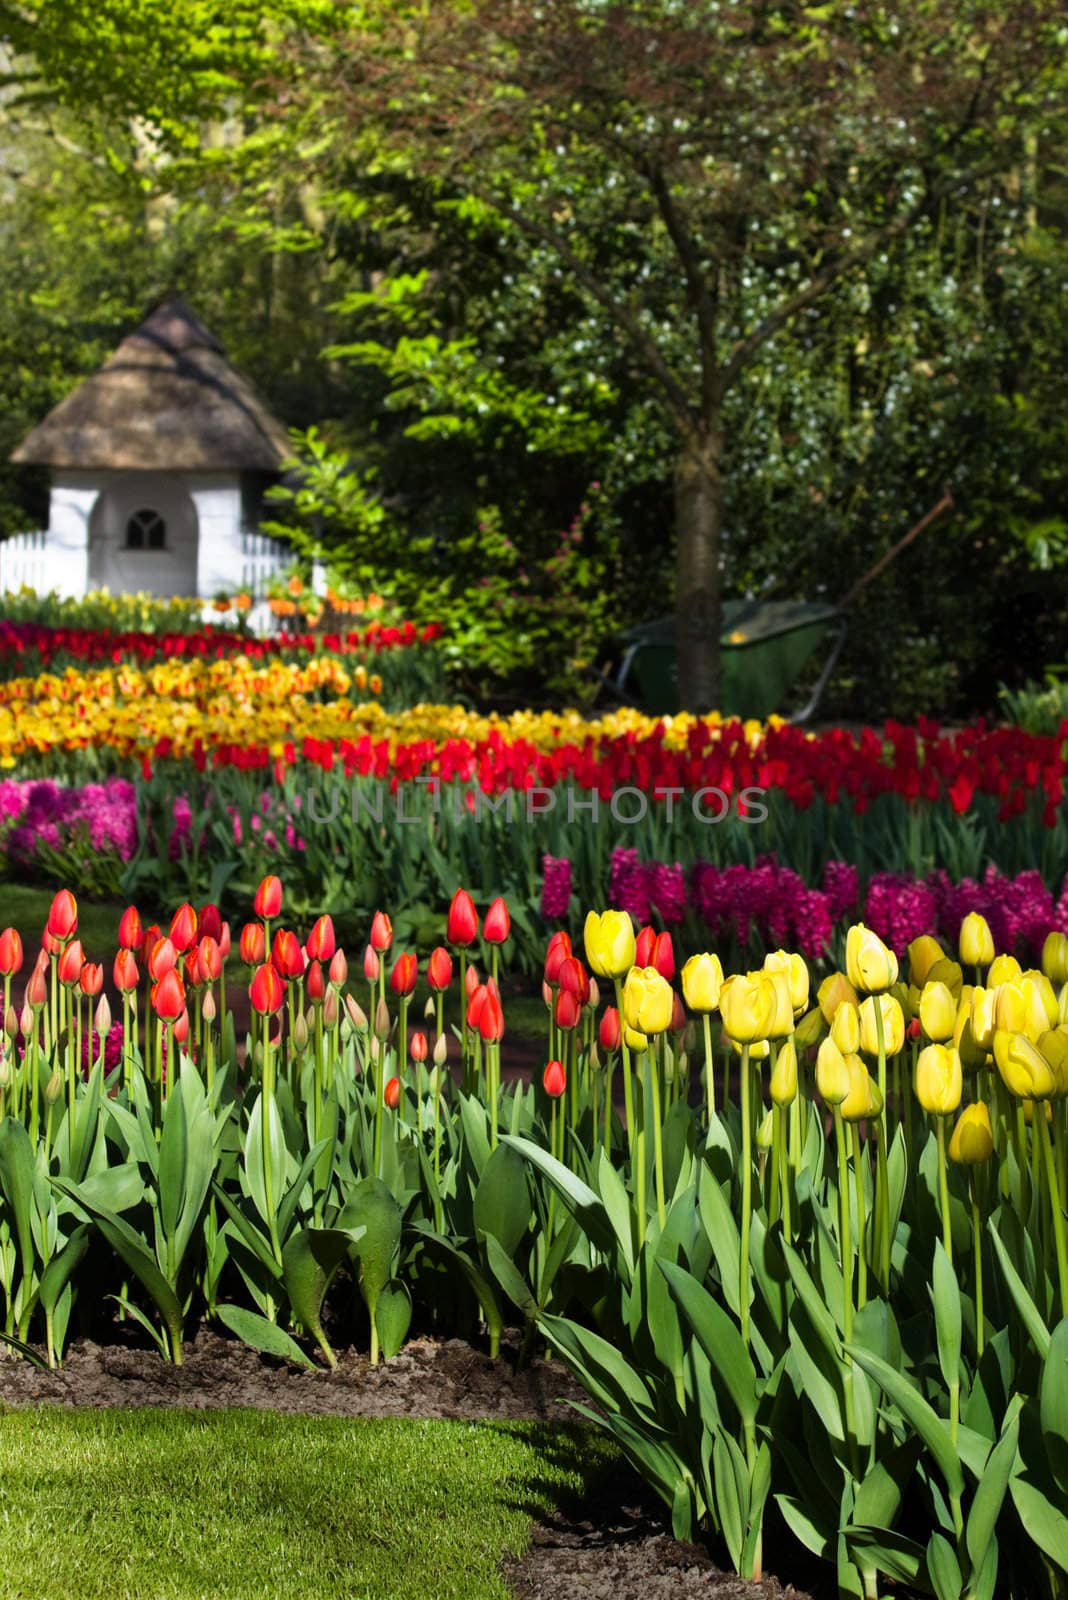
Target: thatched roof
166, 400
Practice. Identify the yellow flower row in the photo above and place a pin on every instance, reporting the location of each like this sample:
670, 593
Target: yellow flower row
241, 702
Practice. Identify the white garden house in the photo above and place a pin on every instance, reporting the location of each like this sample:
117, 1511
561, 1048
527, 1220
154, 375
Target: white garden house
159, 462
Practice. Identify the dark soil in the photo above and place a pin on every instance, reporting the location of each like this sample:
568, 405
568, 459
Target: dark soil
429, 1378
614, 1545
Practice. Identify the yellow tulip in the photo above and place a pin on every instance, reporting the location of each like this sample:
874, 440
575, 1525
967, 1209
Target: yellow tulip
834, 991
610, 943
923, 953
1028, 1107
832, 1074
1054, 1047
748, 1004
783, 1023
893, 1025
863, 1100
949, 973
783, 1083
976, 941
765, 1134
809, 1030
972, 1054
648, 1001
938, 1012
870, 965
1055, 957
795, 970
634, 1040
983, 1007
972, 1140
845, 1029
1024, 1069
1041, 998
938, 1080
702, 980
1003, 969
1011, 1010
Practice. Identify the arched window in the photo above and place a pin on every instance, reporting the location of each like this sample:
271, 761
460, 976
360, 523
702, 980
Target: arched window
146, 530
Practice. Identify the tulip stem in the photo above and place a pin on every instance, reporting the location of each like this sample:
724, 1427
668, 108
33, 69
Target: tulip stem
628, 1088
658, 1141
710, 1082
943, 1186
1038, 1121
862, 1221
747, 1194
881, 1174
977, 1251
845, 1239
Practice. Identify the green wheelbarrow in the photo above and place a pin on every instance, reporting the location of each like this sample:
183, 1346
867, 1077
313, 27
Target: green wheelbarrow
764, 646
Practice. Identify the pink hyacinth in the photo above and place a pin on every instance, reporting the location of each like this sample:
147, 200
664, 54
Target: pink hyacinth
556, 886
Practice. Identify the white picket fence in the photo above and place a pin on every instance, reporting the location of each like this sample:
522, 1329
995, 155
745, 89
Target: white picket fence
29, 560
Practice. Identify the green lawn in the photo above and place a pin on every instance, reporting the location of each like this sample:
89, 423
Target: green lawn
242, 1505
25, 907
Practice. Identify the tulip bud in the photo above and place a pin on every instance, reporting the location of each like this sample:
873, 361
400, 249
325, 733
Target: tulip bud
268, 901
1003, 969
648, 1001
893, 1025
923, 952
11, 954
462, 924
102, 1015
1054, 957
938, 1012
870, 964
491, 1020
209, 922
610, 944
208, 1009
439, 968
782, 1023
976, 943
183, 929
972, 1140
402, 979
765, 1134
71, 962
356, 1014
371, 964
321, 942
266, 991
645, 947
441, 1050
130, 930
391, 1094
702, 980
26, 1021
845, 1029
863, 1101
1024, 1069
382, 1020
748, 1004
834, 991
330, 1009
938, 1080
300, 1034
608, 1031
498, 923
832, 1074
783, 1083
381, 933
567, 1011
809, 1030
11, 1022
53, 1089
417, 1046
794, 969
338, 970
62, 916
252, 945
314, 981
554, 1079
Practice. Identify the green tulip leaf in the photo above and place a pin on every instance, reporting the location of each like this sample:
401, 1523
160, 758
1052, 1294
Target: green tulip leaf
888, 1551
268, 1337
372, 1208
17, 1168
586, 1206
1028, 1311
1046, 1524
502, 1200
719, 1338
945, 1297
986, 1505
58, 1272
309, 1260
1053, 1404
510, 1278
393, 1316
943, 1568
914, 1408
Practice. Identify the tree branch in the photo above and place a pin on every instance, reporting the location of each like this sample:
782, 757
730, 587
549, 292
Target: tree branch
703, 299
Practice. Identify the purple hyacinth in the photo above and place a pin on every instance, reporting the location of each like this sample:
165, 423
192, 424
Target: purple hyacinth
556, 886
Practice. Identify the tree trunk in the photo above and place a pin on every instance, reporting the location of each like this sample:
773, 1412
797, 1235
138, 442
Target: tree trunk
698, 598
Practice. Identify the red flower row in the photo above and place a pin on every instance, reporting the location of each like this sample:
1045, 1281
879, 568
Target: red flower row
89, 645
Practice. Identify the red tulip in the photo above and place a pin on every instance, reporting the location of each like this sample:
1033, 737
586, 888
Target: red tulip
209, 922
266, 990
51, 946
91, 979
223, 937
371, 964
556, 954
491, 1019
71, 962
417, 1047
168, 996
268, 901
314, 983
287, 955
149, 938
554, 1079
338, 970
130, 932
391, 1094
474, 1005
664, 956
498, 923
568, 1011
321, 941
183, 928
180, 1029
678, 1014
405, 971
472, 981
644, 947
462, 925
252, 945
914, 1029
36, 990
124, 973
10, 952
574, 979
381, 932
63, 916
209, 959
608, 1032
439, 968
161, 958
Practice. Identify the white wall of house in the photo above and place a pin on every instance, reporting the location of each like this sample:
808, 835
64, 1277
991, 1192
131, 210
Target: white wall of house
74, 495
127, 498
